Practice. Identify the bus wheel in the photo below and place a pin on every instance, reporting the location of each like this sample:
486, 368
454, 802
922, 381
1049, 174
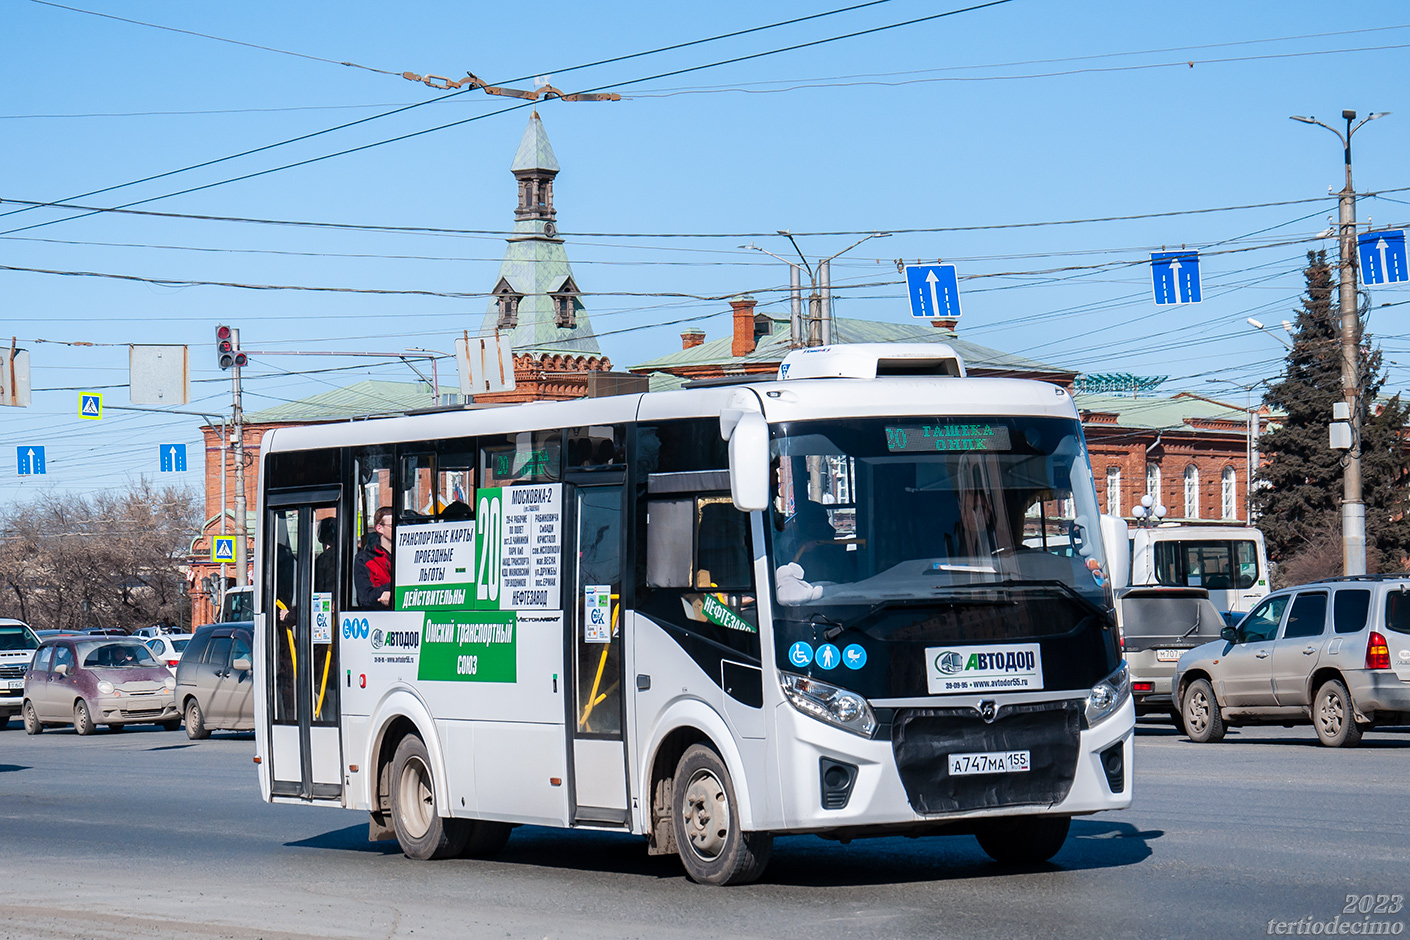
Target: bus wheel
712, 846
485, 839
421, 830
1023, 840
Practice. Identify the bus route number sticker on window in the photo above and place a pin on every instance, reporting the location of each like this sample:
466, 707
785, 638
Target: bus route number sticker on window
1012, 667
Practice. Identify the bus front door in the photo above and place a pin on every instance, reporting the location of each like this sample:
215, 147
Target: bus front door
599, 758
300, 612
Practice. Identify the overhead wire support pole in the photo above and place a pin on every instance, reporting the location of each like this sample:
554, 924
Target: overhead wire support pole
1353, 507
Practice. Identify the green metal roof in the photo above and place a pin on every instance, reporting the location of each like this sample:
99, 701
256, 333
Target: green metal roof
775, 346
1164, 413
535, 152
363, 399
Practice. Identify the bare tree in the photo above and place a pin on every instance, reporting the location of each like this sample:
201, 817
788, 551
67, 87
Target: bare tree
107, 559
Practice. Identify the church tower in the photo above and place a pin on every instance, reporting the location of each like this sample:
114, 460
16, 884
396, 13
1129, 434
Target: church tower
536, 301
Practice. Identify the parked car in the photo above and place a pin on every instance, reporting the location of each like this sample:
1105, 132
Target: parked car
1158, 625
90, 680
1335, 653
215, 680
168, 647
17, 646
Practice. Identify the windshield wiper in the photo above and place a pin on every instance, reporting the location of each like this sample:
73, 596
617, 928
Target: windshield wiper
1019, 584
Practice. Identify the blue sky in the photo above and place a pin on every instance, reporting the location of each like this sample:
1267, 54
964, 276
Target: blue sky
1019, 113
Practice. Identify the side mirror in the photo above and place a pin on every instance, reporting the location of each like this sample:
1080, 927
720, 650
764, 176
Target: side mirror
749, 463
1230, 633
62, 669
240, 664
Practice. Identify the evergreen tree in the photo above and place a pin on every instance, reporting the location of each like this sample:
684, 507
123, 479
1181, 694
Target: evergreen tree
1300, 499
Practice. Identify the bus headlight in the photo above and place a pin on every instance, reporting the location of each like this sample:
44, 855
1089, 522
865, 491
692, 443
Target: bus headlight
1108, 695
829, 703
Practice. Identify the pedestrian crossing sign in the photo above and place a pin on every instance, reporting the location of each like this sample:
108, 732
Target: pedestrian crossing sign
223, 548
90, 406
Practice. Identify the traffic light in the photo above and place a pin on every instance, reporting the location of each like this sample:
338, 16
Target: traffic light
227, 347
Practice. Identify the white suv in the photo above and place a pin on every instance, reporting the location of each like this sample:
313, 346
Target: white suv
1333, 652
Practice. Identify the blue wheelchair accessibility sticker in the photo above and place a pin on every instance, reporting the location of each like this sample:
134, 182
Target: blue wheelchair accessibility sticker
800, 654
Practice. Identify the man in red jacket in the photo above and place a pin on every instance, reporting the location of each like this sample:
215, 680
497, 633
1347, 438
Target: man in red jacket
372, 566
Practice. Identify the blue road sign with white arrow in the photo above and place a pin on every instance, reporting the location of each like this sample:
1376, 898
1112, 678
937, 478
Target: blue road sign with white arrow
1175, 277
29, 460
173, 458
934, 291
1382, 256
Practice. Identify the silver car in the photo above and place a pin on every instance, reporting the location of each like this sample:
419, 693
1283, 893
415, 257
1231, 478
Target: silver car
1335, 653
215, 681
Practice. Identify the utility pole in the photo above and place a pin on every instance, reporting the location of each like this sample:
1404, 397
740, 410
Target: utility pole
1353, 509
237, 423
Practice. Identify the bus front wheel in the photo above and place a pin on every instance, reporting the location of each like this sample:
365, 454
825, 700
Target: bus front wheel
421, 830
1023, 840
712, 846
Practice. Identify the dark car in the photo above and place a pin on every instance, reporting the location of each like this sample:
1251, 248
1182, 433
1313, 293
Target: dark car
90, 680
215, 680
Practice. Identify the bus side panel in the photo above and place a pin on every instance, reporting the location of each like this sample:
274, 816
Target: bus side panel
682, 694
516, 764
357, 786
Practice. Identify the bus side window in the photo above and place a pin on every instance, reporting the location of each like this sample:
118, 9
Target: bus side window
523, 457
455, 484
418, 496
699, 572
372, 469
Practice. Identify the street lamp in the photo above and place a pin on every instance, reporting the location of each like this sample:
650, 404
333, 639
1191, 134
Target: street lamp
1353, 509
1254, 429
820, 297
1259, 326
1148, 513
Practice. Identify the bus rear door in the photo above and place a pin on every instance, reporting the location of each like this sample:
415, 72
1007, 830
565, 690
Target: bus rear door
598, 748
299, 618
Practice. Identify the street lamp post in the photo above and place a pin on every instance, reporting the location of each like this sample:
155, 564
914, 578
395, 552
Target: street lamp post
1254, 429
1353, 509
819, 332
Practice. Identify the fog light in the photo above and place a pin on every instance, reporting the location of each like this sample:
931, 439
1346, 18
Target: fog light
837, 779
1114, 765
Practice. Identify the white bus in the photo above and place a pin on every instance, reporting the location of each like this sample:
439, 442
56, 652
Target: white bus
1229, 562
868, 598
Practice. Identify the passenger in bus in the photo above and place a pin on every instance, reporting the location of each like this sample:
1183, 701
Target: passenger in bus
372, 566
325, 566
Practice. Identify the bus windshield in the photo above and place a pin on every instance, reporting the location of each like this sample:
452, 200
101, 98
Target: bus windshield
935, 530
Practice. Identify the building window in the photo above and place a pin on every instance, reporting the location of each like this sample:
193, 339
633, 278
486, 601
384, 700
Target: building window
1191, 492
508, 302
1153, 482
565, 309
1113, 491
1228, 494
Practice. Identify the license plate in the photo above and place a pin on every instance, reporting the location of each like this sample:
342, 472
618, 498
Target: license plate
989, 762
1168, 656
14, 684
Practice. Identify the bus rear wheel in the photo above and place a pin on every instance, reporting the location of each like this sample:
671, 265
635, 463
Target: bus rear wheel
1023, 840
423, 833
712, 846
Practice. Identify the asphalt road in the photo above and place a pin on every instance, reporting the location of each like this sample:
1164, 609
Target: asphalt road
146, 834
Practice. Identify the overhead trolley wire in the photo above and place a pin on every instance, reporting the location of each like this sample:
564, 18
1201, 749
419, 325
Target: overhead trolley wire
432, 130
404, 108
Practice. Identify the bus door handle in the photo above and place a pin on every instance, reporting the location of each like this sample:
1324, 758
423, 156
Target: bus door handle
643, 682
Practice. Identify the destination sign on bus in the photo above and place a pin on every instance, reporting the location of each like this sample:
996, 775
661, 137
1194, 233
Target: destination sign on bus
929, 438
